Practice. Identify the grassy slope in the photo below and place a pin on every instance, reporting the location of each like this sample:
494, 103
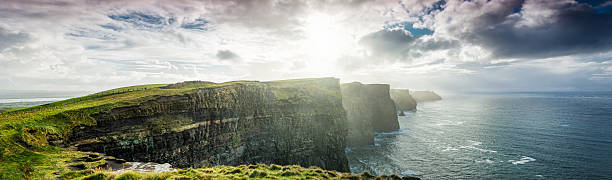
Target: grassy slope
24, 134
26, 153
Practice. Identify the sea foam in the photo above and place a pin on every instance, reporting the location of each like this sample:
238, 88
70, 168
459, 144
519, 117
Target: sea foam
523, 160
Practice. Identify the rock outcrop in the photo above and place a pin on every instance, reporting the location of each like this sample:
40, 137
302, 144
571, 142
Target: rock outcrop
403, 100
422, 96
282, 122
369, 109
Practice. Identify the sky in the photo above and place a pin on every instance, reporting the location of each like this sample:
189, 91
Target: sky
477, 45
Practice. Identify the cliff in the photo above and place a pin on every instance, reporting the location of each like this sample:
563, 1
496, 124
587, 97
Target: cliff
403, 100
359, 113
421, 96
287, 122
369, 109
191, 124
384, 108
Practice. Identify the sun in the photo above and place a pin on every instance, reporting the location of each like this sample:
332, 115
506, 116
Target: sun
325, 39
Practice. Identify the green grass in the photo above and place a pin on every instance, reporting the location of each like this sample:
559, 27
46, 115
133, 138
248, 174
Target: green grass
27, 135
259, 171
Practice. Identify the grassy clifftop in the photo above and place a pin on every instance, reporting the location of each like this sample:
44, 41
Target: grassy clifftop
259, 171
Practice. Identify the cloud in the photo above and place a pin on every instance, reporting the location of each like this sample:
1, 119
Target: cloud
227, 55
10, 39
412, 43
387, 42
539, 29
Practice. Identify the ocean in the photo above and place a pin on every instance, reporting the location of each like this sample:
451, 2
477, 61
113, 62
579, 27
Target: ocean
16, 99
556, 135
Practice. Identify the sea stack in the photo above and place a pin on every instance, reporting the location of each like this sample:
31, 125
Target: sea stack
422, 96
403, 100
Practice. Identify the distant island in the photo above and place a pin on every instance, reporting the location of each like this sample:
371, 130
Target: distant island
237, 129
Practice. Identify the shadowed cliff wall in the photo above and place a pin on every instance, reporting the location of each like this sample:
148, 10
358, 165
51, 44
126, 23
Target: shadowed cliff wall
369, 109
359, 113
403, 100
283, 122
385, 117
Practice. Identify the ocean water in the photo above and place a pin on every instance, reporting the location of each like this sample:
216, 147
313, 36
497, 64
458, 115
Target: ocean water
566, 135
15, 99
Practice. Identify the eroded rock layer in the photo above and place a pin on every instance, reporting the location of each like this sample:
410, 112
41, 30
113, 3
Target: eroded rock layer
283, 122
403, 100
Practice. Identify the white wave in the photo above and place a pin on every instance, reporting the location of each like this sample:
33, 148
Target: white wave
523, 160
476, 148
409, 173
449, 149
450, 123
146, 167
488, 161
473, 145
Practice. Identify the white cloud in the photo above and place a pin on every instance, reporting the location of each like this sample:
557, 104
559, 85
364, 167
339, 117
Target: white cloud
94, 45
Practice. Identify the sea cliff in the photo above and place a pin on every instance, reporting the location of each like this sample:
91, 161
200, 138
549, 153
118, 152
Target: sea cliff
291, 122
403, 100
369, 109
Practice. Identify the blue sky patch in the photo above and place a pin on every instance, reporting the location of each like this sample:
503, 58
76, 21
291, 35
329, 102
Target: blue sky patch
143, 21
94, 34
197, 24
416, 32
111, 27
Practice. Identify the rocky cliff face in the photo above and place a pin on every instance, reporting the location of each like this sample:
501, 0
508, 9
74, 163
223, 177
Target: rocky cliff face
421, 96
403, 100
369, 109
283, 122
359, 113
384, 108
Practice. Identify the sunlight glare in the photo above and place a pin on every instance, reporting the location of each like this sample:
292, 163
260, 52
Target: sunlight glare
325, 40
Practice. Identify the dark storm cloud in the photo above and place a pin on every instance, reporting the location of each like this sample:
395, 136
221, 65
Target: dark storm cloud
541, 29
9, 39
